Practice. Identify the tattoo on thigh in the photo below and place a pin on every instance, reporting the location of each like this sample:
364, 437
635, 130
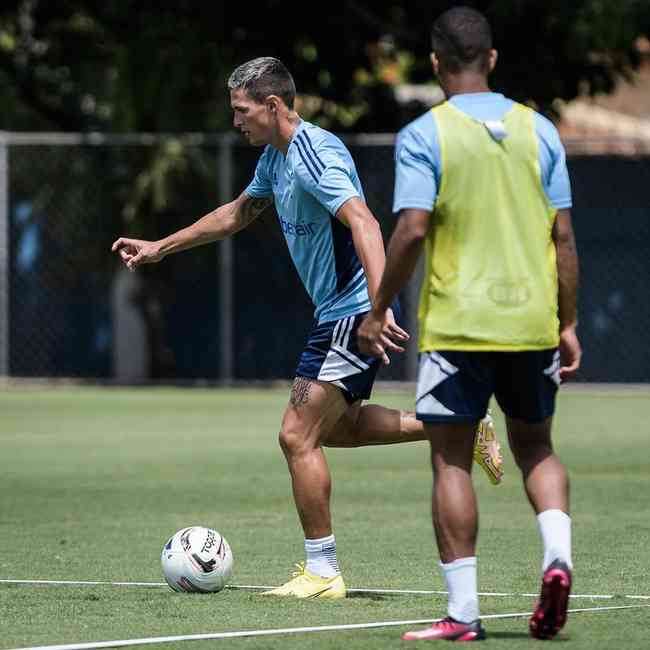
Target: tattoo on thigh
300, 391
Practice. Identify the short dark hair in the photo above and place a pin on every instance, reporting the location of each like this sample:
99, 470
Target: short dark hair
462, 38
262, 77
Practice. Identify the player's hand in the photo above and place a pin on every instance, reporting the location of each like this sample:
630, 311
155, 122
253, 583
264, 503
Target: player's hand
570, 353
134, 252
379, 334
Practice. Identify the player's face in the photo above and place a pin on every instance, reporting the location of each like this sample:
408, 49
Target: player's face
254, 120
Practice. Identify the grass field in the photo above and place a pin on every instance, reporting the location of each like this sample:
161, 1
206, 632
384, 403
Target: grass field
93, 482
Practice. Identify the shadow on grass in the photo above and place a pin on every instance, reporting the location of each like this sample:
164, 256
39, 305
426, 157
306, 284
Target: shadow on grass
369, 596
521, 635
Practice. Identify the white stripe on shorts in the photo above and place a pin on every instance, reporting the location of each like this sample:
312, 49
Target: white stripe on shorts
341, 362
350, 356
433, 370
337, 327
553, 371
346, 335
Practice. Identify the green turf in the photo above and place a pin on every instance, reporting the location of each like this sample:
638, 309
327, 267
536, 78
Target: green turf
93, 482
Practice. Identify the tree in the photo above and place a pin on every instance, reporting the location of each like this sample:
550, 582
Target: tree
91, 65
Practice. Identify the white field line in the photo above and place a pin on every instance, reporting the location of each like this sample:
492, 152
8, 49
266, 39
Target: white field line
84, 583
93, 645
422, 592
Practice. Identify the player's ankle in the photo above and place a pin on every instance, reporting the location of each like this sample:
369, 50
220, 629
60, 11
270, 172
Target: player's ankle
555, 530
321, 557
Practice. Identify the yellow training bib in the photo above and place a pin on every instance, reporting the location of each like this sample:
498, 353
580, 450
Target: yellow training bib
490, 272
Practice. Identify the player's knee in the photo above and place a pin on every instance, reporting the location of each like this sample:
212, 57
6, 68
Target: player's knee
285, 440
292, 441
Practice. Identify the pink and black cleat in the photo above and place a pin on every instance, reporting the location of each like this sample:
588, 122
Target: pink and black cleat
448, 630
550, 613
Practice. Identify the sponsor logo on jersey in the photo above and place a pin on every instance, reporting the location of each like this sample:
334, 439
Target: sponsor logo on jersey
297, 229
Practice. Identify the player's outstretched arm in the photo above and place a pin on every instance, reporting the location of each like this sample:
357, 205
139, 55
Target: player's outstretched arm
218, 224
567, 272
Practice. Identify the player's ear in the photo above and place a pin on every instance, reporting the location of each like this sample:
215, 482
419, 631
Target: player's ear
435, 63
492, 60
273, 104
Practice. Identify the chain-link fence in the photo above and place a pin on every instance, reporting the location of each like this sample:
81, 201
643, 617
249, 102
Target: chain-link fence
66, 203
612, 225
237, 310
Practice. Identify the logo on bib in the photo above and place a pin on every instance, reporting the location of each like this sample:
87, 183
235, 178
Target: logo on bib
509, 294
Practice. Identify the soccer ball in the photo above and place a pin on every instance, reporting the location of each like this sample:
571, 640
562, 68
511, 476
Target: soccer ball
197, 559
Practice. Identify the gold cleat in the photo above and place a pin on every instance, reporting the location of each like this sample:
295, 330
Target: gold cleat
307, 585
487, 450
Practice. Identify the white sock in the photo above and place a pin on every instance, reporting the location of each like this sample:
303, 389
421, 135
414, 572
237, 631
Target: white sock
321, 557
460, 576
555, 529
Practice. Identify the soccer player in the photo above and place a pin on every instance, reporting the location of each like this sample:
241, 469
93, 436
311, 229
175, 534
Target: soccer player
336, 245
482, 180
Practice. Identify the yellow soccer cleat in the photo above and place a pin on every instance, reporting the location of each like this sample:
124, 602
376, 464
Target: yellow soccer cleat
487, 450
307, 585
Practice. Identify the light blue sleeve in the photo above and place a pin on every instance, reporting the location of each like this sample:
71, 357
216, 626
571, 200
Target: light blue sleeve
417, 165
261, 183
325, 172
552, 162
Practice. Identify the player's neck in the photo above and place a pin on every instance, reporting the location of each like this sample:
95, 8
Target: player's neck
464, 83
286, 128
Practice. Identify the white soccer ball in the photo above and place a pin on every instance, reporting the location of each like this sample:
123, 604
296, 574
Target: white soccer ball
197, 559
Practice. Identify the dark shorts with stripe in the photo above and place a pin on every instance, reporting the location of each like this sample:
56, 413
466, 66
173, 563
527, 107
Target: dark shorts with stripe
456, 386
332, 355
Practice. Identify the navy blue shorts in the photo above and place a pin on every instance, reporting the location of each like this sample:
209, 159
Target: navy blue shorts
332, 355
456, 386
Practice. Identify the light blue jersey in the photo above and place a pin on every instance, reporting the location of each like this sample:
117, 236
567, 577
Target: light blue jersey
417, 154
315, 179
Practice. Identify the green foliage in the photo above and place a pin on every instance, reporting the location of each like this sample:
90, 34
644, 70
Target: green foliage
87, 65
105, 66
